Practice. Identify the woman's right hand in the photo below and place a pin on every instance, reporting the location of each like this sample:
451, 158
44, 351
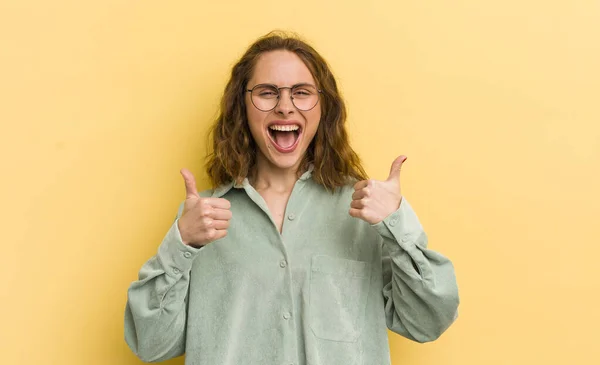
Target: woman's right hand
203, 220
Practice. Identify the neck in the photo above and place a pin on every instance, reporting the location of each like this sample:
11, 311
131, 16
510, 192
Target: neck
267, 176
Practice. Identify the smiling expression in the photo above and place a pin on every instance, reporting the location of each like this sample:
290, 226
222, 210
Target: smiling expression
283, 134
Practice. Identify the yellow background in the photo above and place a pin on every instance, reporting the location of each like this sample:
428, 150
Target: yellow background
496, 104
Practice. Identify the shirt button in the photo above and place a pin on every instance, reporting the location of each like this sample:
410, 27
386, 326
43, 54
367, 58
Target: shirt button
187, 255
291, 216
283, 264
176, 271
286, 315
393, 222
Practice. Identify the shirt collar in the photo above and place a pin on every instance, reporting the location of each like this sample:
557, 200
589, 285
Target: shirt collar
223, 189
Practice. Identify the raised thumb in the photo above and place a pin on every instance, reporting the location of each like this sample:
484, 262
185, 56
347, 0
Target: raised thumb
190, 184
396, 167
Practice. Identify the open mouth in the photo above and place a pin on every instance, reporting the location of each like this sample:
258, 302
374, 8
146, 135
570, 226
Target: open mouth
284, 137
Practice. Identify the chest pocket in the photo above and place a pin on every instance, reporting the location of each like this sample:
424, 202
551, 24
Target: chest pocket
338, 297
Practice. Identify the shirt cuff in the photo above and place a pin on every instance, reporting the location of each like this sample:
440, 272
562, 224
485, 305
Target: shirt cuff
175, 256
402, 226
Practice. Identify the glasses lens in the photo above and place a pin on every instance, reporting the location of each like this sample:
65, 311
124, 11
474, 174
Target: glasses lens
265, 97
305, 97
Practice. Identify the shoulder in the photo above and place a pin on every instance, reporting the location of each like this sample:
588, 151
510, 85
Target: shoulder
348, 188
206, 193
340, 193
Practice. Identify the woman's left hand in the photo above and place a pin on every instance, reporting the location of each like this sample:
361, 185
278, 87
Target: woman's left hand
374, 200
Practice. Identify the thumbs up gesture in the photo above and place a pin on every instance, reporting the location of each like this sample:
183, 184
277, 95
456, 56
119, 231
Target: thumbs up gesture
203, 220
374, 200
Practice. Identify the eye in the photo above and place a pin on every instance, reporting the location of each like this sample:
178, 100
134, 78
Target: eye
302, 92
266, 92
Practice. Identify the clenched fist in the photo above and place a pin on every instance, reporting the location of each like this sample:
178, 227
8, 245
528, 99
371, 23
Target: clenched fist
374, 200
203, 220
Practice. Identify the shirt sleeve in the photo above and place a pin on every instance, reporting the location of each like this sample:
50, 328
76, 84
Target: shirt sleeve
419, 285
156, 311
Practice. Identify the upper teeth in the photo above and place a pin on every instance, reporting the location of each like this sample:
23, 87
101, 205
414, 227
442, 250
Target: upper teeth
284, 128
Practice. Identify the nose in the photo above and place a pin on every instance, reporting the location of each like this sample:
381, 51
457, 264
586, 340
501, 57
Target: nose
285, 105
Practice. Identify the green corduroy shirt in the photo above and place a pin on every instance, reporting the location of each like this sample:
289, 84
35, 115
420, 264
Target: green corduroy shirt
324, 291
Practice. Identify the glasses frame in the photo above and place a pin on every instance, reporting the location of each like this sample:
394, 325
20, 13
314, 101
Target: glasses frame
319, 91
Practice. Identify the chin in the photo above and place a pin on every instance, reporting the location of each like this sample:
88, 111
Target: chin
285, 162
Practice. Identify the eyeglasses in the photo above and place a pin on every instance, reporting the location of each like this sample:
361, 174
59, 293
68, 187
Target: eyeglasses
265, 97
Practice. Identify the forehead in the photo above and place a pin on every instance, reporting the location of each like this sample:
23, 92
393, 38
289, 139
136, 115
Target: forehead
282, 68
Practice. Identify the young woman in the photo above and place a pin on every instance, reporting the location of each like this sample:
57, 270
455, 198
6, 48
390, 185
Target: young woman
294, 257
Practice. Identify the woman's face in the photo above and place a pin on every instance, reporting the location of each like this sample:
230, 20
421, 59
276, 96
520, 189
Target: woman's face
283, 134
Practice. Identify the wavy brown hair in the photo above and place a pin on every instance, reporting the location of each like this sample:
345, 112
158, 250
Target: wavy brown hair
233, 155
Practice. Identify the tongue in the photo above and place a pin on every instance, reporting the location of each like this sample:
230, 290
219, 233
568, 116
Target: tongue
284, 139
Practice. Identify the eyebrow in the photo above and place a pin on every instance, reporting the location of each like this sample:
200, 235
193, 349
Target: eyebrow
293, 86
